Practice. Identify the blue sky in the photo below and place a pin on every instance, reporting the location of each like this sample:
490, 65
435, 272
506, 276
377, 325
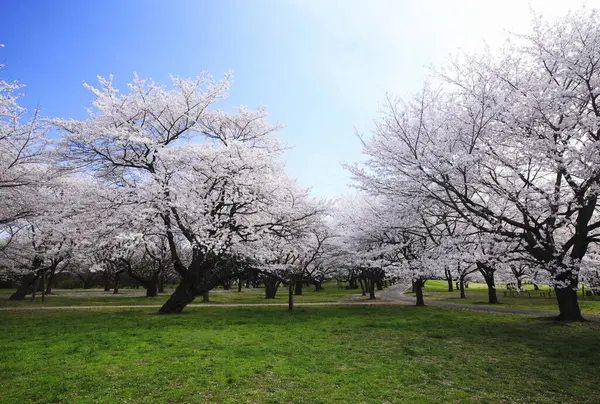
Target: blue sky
322, 67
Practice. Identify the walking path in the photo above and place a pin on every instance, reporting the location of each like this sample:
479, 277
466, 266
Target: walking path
393, 295
396, 295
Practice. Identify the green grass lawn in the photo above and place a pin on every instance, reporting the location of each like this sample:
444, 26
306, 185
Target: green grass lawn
316, 354
476, 293
97, 297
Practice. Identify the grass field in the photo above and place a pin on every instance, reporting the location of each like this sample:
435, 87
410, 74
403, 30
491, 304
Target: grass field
316, 354
97, 297
477, 294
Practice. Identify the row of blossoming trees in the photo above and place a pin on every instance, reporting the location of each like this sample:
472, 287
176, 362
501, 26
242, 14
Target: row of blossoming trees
495, 167
493, 171
154, 180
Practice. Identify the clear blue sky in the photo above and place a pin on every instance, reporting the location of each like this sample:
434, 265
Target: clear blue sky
322, 67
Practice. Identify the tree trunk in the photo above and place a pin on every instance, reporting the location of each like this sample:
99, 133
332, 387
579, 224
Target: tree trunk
28, 282
205, 297
318, 287
106, 280
161, 284
418, 284
116, 290
240, 284
371, 289
50, 280
567, 305
379, 284
25, 288
519, 283
271, 286
36, 286
488, 274
462, 288
566, 297
536, 287
43, 286
151, 288
298, 290
449, 279
291, 297
362, 287
183, 295
196, 280
492, 297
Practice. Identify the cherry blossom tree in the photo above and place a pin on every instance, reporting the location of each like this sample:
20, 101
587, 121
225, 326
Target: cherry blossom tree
21, 154
46, 242
509, 144
226, 188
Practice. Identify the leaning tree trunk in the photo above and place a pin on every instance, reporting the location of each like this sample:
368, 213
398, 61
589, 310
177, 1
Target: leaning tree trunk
196, 281
183, 295
418, 284
28, 282
26, 287
298, 289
